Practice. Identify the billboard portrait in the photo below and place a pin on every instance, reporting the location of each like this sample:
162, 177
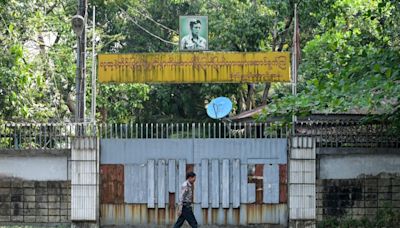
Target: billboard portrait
193, 33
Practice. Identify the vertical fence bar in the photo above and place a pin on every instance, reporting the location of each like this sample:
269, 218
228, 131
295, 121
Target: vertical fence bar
151, 130
214, 130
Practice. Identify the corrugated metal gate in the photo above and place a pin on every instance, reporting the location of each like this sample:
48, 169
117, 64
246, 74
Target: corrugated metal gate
239, 181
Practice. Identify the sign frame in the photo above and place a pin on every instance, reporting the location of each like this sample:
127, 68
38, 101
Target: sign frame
184, 27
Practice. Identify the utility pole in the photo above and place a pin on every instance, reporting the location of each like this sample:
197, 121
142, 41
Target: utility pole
81, 60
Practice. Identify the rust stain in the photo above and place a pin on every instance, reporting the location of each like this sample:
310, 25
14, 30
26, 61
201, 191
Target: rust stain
252, 215
205, 215
225, 216
236, 215
189, 168
214, 215
171, 206
161, 216
151, 213
112, 184
143, 214
139, 215
259, 183
283, 183
259, 170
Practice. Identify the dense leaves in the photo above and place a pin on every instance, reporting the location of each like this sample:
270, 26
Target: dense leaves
351, 64
350, 57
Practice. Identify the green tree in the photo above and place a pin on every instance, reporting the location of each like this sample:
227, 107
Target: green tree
351, 63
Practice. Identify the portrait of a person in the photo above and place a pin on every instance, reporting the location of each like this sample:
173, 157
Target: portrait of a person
193, 40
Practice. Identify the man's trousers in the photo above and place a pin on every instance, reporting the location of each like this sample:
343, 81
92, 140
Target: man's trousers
187, 214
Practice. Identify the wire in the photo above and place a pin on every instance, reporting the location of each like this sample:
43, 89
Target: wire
151, 19
147, 31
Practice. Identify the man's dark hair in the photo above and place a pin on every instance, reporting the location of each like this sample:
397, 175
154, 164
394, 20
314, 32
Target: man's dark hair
193, 22
190, 174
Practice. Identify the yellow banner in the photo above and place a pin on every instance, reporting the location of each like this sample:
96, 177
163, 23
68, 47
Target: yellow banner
195, 67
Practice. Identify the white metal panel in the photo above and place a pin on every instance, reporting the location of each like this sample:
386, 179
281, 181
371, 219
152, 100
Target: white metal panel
161, 184
181, 177
171, 176
204, 183
135, 183
271, 183
150, 184
197, 184
251, 193
243, 183
236, 183
225, 183
215, 183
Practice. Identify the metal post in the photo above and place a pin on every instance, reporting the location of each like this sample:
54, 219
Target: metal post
93, 108
294, 65
81, 65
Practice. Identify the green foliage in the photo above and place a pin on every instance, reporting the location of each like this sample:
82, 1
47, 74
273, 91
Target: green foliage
385, 217
351, 65
32, 71
350, 57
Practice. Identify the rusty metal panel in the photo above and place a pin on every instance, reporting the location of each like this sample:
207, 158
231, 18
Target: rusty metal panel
161, 183
215, 183
135, 184
189, 168
204, 183
236, 183
112, 183
225, 183
283, 183
243, 183
271, 184
258, 180
150, 184
171, 176
139, 215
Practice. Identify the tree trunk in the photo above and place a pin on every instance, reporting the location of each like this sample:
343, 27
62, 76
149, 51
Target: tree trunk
250, 95
266, 92
242, 102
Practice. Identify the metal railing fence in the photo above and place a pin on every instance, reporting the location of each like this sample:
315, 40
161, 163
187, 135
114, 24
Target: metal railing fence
349, 134
326, 134
59, 136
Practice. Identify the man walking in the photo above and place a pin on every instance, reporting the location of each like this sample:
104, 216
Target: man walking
185, 211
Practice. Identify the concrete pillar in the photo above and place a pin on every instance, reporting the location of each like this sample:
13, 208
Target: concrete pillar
85, 182
302, 179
